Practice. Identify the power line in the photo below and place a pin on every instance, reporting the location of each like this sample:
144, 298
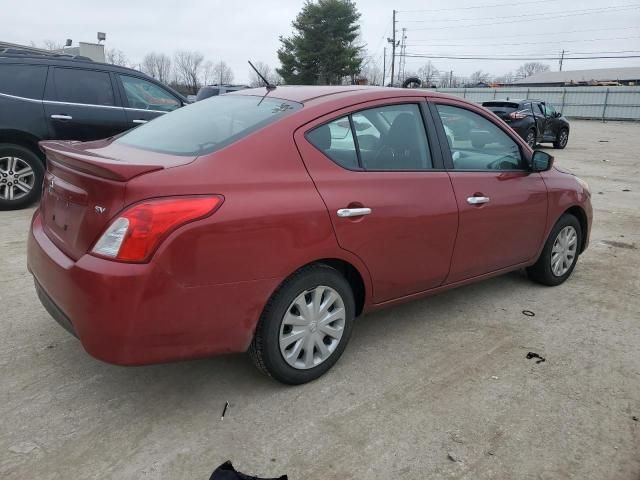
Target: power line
467, 57
544, 15
511, 4
582, 11
519, 43
537, 34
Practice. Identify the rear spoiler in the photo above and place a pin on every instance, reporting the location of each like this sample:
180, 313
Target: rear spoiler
63, 153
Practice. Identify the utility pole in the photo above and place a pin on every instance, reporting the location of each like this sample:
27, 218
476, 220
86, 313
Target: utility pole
392, 41
403, 47
384, 64
561, 59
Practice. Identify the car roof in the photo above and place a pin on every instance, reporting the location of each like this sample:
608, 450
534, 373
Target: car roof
319, 94
65, 61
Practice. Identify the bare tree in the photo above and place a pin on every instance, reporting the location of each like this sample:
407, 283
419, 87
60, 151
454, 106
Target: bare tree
531, 68
116, 57
505, 79
188, 65
428, 74
52, 45
222, 73
372, 71
478, 77
157, 65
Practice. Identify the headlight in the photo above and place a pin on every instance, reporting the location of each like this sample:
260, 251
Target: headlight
584, 185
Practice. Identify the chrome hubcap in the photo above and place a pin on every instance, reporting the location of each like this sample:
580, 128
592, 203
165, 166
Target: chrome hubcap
563, 253
16, 178
312, 327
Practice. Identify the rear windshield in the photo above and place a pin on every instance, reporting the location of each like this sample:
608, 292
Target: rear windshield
501, 105
207, 126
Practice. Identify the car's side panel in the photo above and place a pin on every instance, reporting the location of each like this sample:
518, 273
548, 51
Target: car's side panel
407, 240
506, 231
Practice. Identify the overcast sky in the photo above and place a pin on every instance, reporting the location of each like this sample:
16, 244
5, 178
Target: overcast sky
236, 31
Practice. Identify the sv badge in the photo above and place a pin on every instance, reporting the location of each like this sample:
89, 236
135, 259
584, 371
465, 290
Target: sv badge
99, 209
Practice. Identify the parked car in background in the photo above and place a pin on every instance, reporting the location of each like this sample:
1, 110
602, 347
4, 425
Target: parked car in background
213, 90
268, 222
534, 120
59, 97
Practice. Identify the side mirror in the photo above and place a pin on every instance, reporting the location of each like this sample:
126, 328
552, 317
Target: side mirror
558, 114
541, 161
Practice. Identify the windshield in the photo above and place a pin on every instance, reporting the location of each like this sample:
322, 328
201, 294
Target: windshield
209, 125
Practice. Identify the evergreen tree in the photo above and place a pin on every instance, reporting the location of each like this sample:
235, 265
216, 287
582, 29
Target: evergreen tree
323, 48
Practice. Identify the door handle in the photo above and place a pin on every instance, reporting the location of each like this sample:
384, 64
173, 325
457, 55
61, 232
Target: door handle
62, 117
478, 200
140, 121
353, 212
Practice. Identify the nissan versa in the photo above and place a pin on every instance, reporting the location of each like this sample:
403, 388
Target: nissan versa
267, 220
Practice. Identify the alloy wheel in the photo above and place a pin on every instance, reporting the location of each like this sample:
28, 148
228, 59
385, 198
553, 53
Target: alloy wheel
531, 139
564, 138
17, 178
563, 252
312, 327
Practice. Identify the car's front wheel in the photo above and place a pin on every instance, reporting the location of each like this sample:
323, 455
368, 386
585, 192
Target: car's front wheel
305, 325
562, 139
21, 174
560, 253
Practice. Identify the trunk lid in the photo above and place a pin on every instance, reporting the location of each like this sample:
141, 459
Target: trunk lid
84, 188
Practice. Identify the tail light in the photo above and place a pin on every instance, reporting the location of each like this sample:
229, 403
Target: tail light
519, 115
138, 231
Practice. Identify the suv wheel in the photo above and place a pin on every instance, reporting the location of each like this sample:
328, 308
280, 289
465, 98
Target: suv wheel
21, 174
531, 138
561, 139
305, 326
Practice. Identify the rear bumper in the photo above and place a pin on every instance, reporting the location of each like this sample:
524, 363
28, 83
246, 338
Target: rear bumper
132, 314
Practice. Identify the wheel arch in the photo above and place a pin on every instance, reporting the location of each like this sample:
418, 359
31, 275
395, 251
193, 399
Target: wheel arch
22, 139
581, 215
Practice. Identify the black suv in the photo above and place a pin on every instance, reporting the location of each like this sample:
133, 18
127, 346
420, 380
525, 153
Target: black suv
534, 120
56, 97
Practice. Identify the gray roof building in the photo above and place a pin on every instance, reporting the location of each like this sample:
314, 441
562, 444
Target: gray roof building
596, 76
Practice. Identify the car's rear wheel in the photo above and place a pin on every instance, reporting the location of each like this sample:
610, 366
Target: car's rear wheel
305, 325
560, 253
562, 139
530, 138
21, 174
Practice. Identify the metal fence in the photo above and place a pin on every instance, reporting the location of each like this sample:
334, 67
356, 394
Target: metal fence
605, 103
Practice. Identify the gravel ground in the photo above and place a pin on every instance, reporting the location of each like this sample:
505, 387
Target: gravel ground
437, 388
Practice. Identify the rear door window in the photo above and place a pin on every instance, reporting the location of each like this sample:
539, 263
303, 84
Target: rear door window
385, 138
206, 126
537, 108
23, 80
90, 87
145, 95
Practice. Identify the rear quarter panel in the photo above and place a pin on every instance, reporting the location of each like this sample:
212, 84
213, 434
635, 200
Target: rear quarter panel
271, 223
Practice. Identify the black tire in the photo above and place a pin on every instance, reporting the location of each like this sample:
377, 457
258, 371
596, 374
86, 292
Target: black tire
561, 139
25, 155
530, 138
265, 347
541, 271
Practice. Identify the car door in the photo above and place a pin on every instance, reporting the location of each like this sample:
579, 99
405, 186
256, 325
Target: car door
502, 204
144, 100
552, 122
542, 122
80, 104
380, 174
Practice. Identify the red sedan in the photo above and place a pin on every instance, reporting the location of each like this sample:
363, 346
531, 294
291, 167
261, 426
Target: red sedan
268, 220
